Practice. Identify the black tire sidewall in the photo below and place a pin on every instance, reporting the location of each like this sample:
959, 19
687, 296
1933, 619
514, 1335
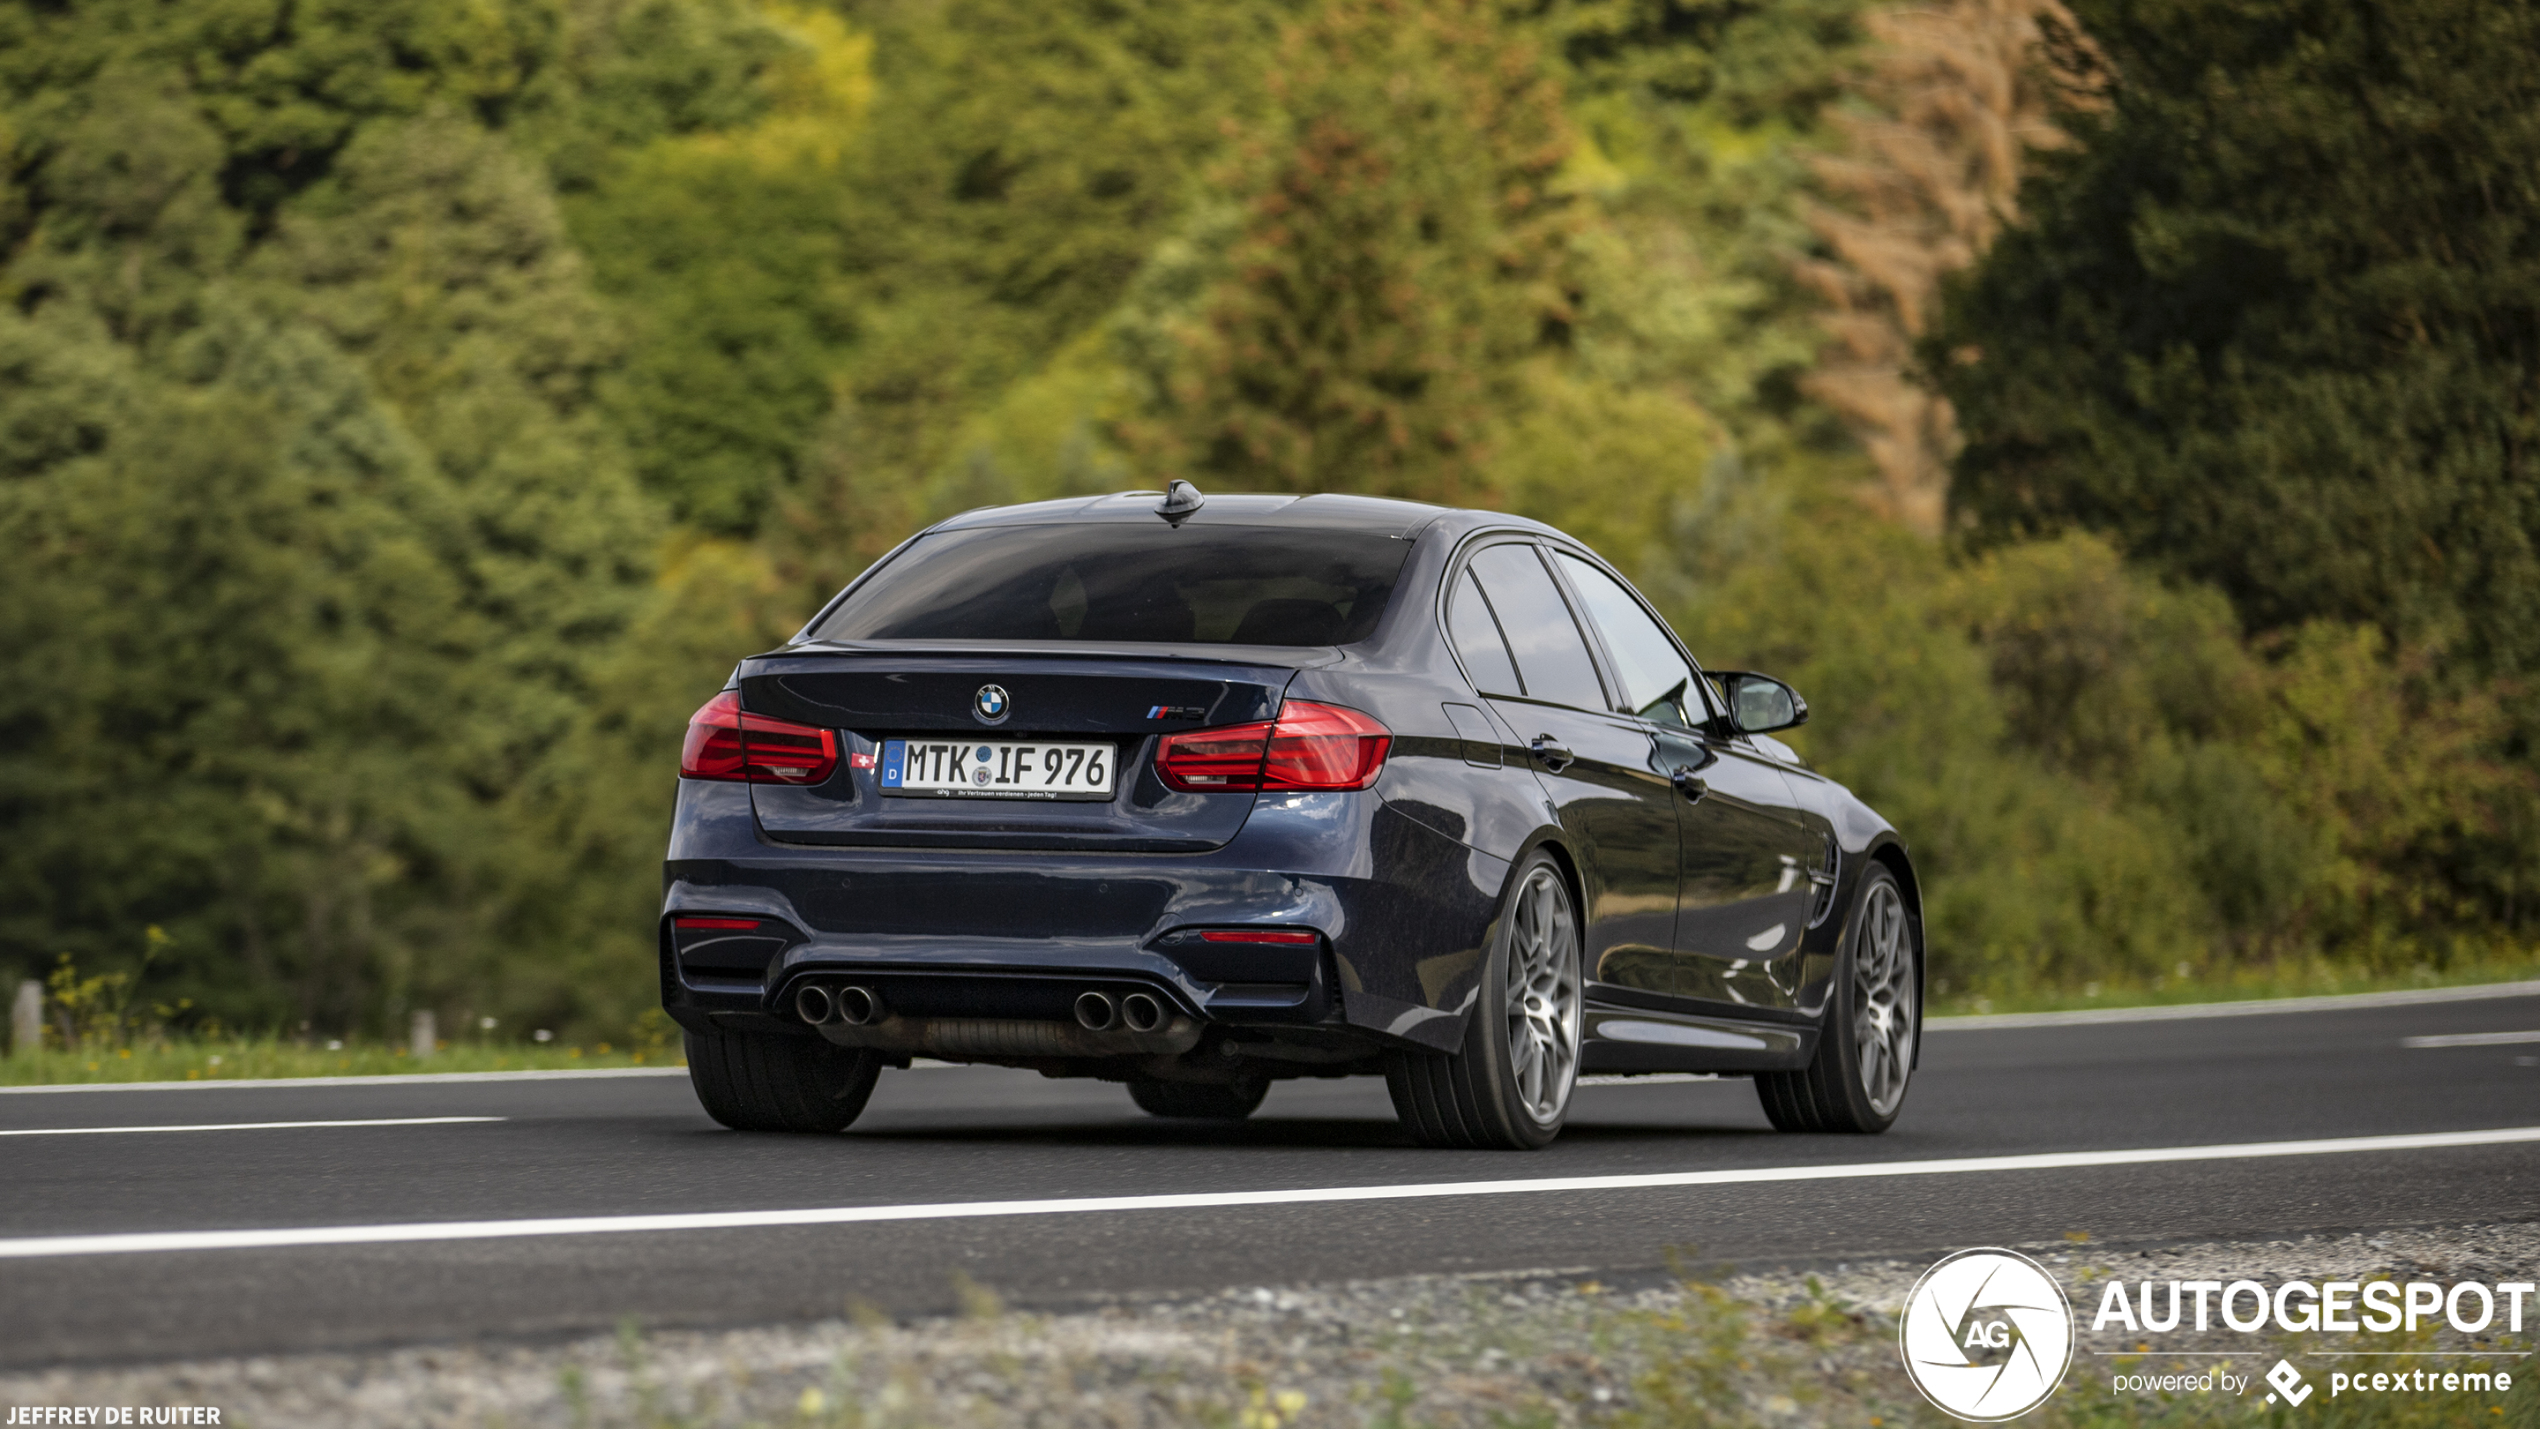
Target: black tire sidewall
1843, 1066
779, 1083
1486, 1037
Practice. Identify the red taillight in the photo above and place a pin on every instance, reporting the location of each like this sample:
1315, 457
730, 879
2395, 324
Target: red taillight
1325, 747
1212, 761
725, 743
714, 922
1309, 746
1258, 935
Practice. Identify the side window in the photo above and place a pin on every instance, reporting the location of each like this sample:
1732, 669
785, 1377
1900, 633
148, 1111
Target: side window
1657, 683
1477, 640
1552, 656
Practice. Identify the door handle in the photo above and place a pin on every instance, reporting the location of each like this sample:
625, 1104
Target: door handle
1555, 755
1690, 784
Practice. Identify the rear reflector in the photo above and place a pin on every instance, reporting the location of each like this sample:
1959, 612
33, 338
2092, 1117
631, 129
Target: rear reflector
1308, 747
714, 922
1258, 935
725, 743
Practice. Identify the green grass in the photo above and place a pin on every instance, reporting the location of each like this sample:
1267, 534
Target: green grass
2308, 978
179, 1059
241, 1058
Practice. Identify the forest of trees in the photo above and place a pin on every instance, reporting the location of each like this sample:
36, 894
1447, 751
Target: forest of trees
2118, 419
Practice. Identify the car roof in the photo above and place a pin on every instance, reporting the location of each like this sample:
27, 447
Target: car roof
1325, 511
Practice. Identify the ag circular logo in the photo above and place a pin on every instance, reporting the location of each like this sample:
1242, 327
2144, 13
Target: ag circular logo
990, 704
1987, 1335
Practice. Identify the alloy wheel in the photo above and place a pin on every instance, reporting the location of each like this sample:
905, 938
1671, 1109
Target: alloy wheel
1544, 1004
1884, 999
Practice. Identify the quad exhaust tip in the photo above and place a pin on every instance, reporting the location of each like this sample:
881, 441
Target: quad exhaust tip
859, 1006
813, 1004
1095, 1011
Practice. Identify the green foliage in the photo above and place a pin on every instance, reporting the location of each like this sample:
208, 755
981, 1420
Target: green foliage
317, 527
2100, 778
96, 1011
1696, 120
725, 249
1400, 254
2271, 324
408, 412
1023, 163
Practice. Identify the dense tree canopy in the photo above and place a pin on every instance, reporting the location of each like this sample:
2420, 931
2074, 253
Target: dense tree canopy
409, 410
2275, 322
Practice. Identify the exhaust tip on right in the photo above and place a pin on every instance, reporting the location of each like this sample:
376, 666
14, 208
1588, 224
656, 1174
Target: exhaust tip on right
1141, 1012
1095, 1011
859, 1006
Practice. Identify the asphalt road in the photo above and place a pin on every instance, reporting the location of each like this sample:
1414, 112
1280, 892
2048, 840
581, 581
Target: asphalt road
639, 1146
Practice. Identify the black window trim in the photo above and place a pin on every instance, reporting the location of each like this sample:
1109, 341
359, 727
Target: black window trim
1480, 541
1498, 627
1608, 668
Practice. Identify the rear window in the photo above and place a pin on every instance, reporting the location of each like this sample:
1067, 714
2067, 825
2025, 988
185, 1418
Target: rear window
1228, 585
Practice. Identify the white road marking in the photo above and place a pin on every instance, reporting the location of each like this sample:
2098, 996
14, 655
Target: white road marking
392, 1079
129, 1243
246, 1126
1644, 1079
2471, 1039
2333, 1002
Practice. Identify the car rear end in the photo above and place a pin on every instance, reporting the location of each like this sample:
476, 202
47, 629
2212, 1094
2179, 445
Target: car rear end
1067, 787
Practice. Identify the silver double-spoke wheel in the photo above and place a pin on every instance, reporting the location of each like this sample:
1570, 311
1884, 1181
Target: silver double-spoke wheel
1508, 1085
1883, 999
1855, 1078
1543, 1002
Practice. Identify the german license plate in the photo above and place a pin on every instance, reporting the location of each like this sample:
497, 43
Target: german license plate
997, 769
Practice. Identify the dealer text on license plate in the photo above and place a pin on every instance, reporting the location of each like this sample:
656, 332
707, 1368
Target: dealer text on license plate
997, 769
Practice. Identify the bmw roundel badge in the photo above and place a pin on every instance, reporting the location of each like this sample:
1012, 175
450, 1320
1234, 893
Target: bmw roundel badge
990, 704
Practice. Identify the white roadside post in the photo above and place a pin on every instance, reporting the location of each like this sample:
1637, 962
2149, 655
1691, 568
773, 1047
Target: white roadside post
421, 1035
26, 1020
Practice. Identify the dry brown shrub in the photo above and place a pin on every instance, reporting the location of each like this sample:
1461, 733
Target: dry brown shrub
1937, 126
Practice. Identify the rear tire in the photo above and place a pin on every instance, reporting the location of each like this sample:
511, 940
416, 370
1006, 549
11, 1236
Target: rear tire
1509, 1087
780, 1083
1865, 1052
1200, 1101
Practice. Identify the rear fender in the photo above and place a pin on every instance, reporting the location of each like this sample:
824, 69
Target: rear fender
1433, 983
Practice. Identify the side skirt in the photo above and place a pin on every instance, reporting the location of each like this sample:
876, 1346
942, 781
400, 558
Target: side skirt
1640, 1039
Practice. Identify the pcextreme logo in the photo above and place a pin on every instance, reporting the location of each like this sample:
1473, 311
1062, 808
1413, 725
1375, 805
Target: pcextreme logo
1987, 1335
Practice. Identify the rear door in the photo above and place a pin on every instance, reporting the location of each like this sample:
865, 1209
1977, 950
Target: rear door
1747, 855
976, 750
1602, 771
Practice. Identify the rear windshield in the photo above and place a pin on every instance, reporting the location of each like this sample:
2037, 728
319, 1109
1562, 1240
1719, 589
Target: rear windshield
1230, 585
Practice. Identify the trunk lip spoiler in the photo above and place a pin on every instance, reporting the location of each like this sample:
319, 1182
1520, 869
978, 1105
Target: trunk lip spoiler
1274, 657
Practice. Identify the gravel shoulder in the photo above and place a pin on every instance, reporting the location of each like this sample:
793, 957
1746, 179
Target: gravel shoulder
1810, 1344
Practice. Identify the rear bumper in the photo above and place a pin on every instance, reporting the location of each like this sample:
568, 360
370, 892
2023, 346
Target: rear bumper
1403, 914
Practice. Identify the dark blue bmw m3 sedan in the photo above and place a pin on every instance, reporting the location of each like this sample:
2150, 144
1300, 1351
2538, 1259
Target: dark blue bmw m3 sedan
1197, 793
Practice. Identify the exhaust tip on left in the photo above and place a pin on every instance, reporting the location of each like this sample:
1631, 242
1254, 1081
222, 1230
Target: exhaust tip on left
813, 1004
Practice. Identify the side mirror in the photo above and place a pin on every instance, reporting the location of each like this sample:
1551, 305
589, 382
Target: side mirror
1760, 704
